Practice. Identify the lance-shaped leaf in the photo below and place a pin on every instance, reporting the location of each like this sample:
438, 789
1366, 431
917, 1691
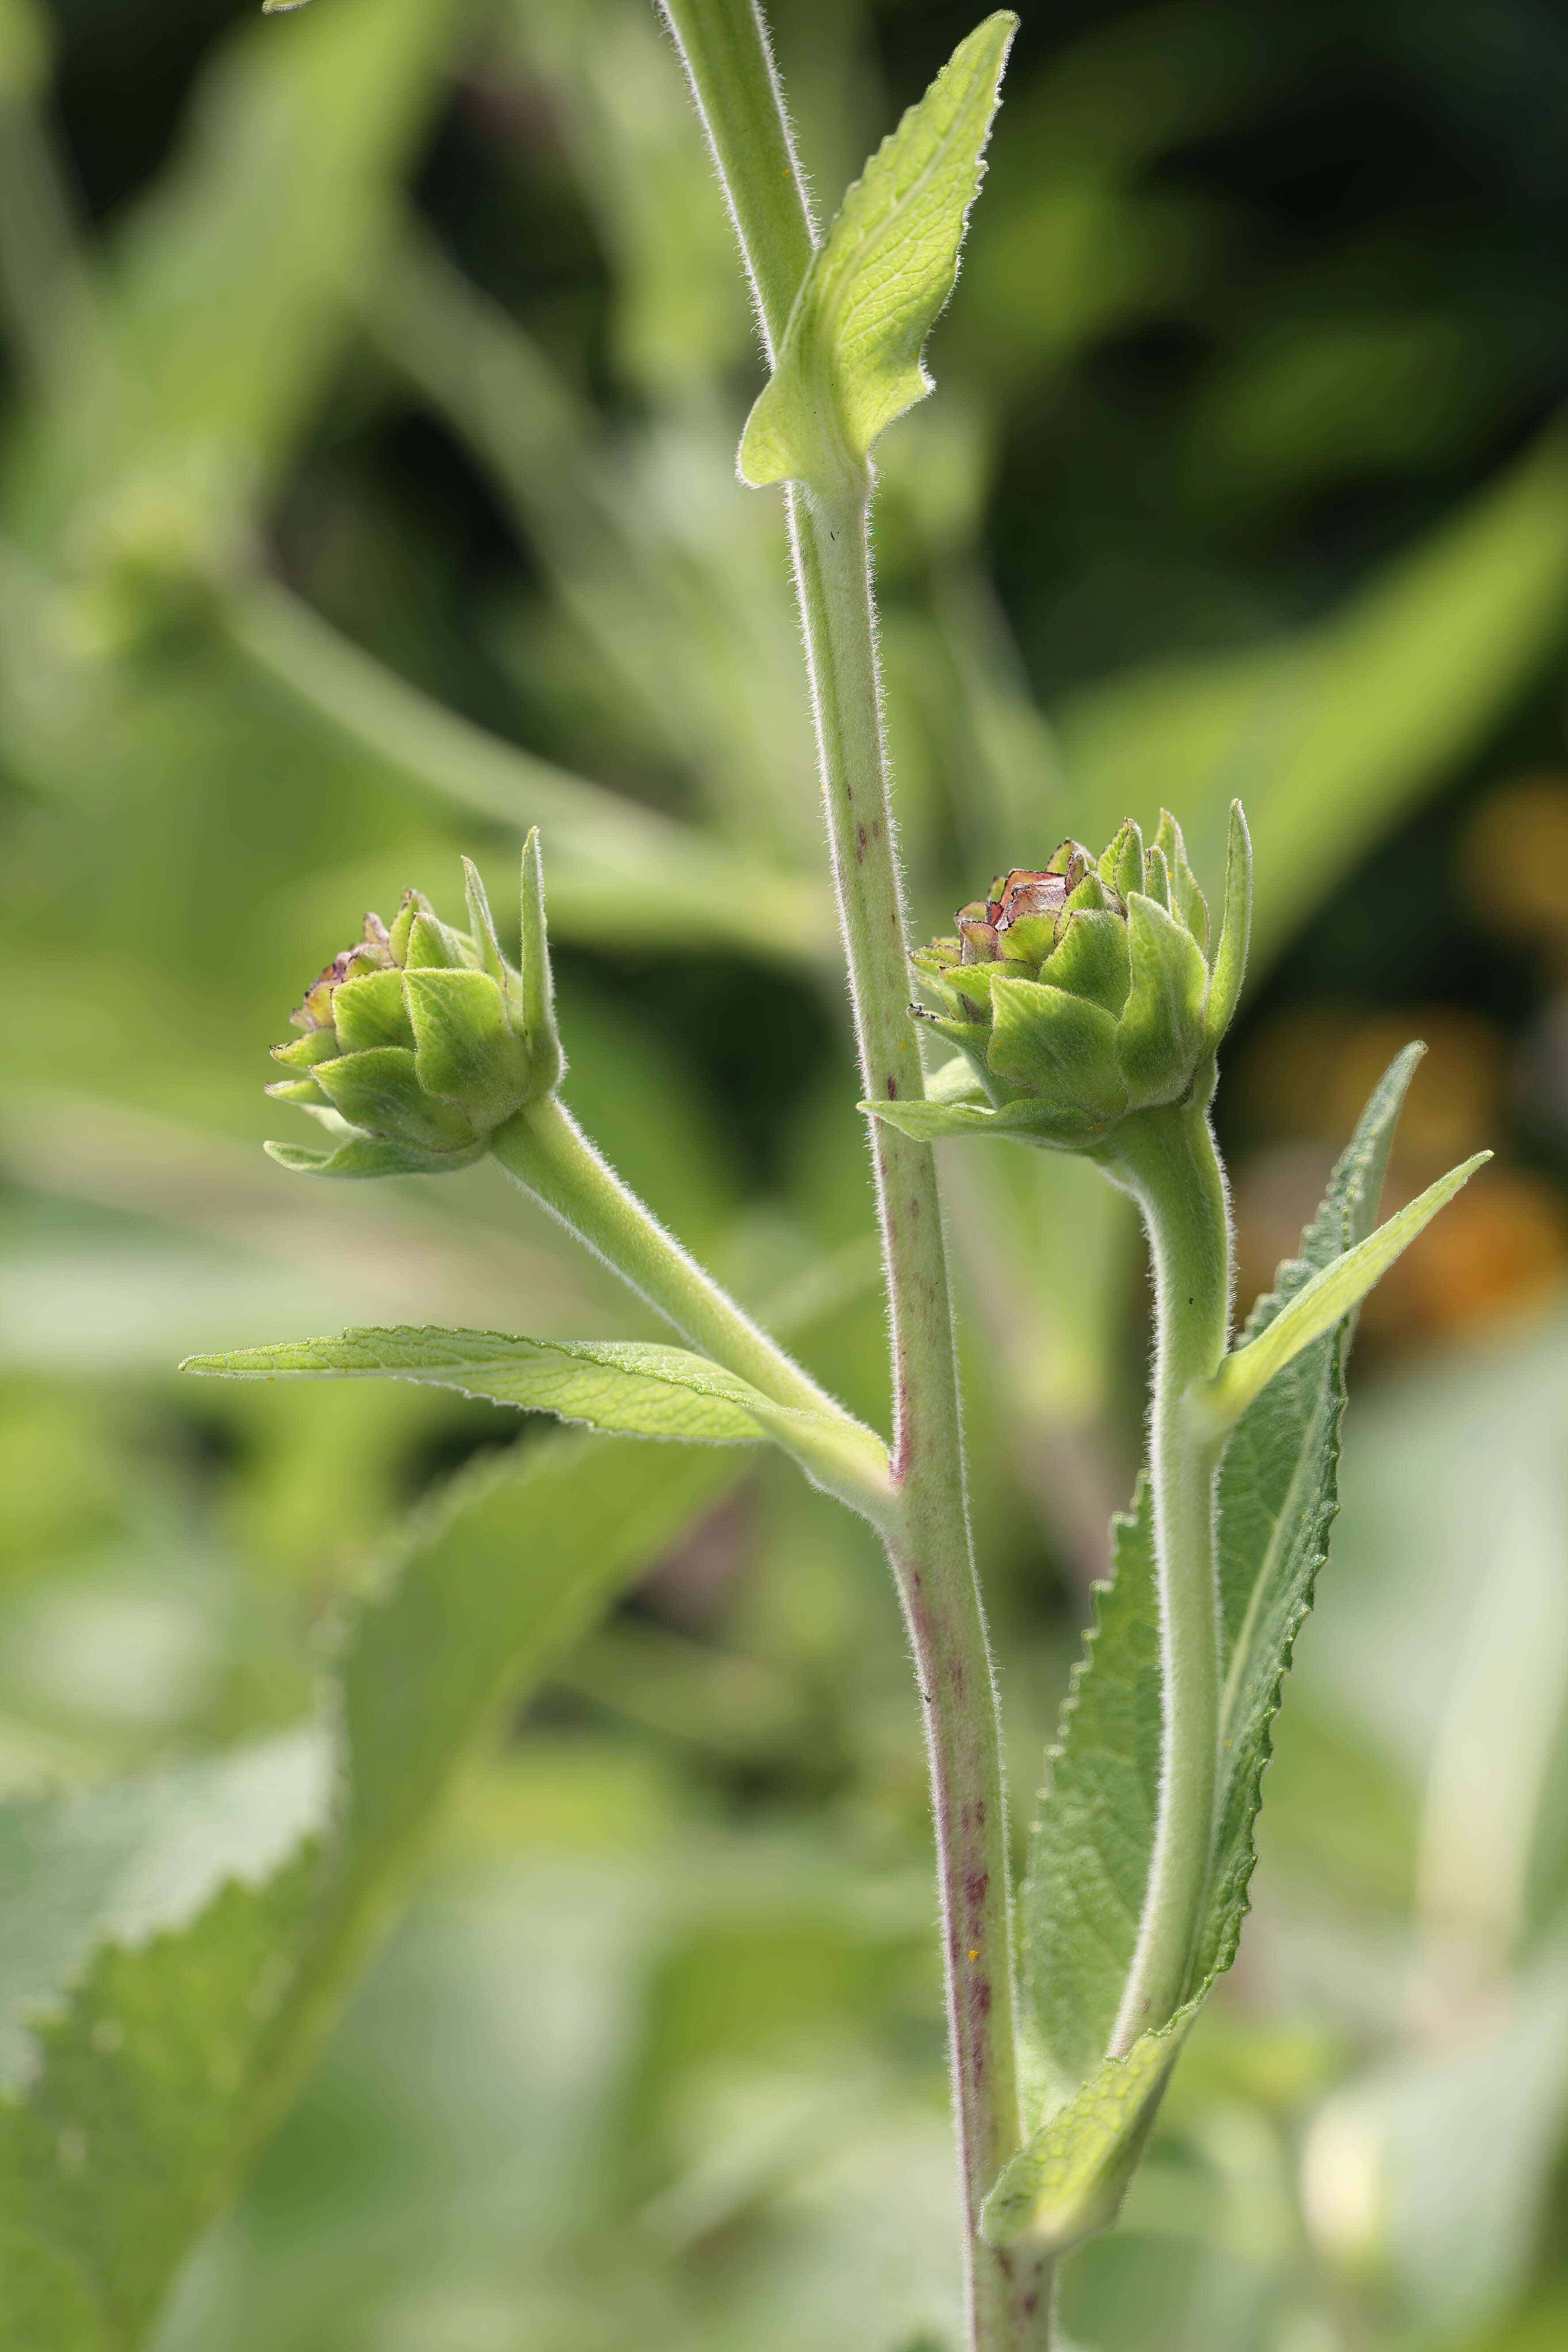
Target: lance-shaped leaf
1094, 1830
632, 1388
1234, 932
538, 980
850, 360
1334, 1290
1278, 1496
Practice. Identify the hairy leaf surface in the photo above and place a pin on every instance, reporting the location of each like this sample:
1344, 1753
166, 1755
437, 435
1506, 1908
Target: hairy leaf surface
850, 360
625, 1387
1094, 1830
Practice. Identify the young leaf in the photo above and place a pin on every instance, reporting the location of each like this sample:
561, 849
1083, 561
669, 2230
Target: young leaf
194, 1972
1095, 1827
1234, 933
1334, 1290
1066, 2183
633, 1388
850, 360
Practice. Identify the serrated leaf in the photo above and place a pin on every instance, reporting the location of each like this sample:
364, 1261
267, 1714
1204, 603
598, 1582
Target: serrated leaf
1094, 1830
850, 359
624, 1387
131, 2136
1278, 1496
1088, 1855
177, 2035
131, 1860
633, 1388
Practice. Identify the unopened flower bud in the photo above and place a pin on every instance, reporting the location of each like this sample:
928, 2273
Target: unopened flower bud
1082, 991
418, 1041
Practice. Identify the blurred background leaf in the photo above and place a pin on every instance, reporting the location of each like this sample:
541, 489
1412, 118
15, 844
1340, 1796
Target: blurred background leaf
372, 382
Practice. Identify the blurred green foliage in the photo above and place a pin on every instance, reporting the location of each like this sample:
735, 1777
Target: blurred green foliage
373, 379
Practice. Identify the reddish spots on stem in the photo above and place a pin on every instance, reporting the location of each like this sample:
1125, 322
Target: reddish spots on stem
979, 1998
1031, 2303
892, 1090
859, 844
914, 1204
975, 1886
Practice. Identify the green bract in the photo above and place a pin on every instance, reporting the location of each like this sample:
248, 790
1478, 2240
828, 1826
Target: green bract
1081, 991
419, 1041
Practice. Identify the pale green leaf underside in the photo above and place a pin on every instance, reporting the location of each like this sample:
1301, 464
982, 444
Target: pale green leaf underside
166, 1989
1330, 1294
623, 1387
850, 360
1095, 1825
1067, 2182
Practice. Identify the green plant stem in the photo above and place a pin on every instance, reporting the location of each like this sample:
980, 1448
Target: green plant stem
1167, 1159
546, 1151
930, 1549
724, 46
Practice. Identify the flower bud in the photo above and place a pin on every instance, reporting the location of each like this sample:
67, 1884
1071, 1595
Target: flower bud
419, 1041
1082, 991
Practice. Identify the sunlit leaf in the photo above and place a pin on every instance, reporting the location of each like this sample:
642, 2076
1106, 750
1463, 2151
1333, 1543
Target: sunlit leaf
627, 1386
1330, 1296
850, 361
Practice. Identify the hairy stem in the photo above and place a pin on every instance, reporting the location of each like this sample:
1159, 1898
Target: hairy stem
724, 46
547, 1151
1167, 1159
